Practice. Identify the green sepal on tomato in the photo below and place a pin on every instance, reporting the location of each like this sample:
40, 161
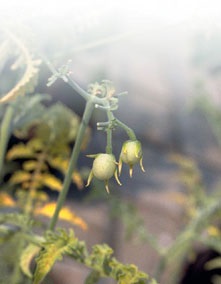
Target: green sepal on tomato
131, 154
104, 167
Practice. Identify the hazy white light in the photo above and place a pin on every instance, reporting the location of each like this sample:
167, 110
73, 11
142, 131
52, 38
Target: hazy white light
158, 12
166, 10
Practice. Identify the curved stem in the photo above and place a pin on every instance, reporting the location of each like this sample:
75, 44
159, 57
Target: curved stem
128, 130
75, 153
5, 131
72, 83
78, 89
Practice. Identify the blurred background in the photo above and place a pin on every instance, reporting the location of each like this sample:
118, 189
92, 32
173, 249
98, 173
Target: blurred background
166, 54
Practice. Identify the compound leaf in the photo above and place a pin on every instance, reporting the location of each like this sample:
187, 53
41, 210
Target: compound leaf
56, 245
26, 257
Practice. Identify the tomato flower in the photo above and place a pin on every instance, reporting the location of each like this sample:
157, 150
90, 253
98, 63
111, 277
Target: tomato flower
131, 154
104, 167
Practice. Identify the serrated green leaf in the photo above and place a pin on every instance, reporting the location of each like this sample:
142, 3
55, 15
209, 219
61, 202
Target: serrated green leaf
20, 151
101, 260
26, 257
56, 245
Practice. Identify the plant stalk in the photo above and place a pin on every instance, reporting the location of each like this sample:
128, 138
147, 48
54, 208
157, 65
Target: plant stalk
74, 157
128, 130
109, 132
5, 131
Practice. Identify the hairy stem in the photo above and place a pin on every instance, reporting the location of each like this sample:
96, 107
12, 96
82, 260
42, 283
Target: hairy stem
74, 157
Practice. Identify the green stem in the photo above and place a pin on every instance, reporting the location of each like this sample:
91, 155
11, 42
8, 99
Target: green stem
78, 89
73, 84
74, 157
109, 132
128, 130
5, 131
109, 141
160, 268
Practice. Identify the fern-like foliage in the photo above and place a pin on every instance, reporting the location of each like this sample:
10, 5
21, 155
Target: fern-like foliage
12, 223
26, 258
190, 176
46, 152
100, 260
24, 63
49, 146
54, 247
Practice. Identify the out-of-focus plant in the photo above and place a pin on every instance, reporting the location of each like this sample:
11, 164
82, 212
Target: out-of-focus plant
202, 209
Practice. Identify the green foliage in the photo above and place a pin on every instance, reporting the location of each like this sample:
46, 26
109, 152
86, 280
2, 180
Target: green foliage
100, 260
23, 62
52, 132
16, 219
54, 247
26, 258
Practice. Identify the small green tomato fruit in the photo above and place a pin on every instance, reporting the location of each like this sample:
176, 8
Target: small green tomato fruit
131, 154
104, 167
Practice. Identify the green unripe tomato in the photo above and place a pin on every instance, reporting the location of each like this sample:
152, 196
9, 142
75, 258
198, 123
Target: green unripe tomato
104, 166
131, 154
